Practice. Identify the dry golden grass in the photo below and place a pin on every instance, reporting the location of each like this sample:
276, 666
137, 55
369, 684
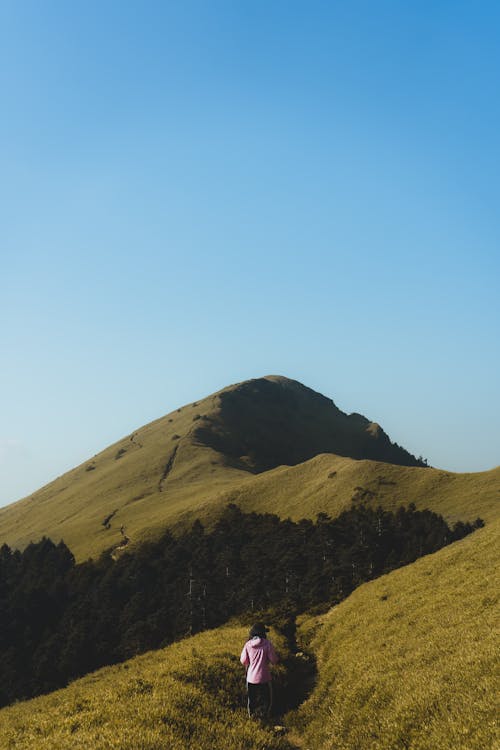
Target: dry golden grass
411, 660
201, 483
188, 695
329, 483
127, 484
407, 662
74, 506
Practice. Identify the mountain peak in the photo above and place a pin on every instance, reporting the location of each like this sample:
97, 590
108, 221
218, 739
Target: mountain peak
265, 422
196, 457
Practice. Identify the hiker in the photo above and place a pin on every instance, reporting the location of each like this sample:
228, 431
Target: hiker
258, 652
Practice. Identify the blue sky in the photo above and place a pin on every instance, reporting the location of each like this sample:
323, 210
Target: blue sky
197, 193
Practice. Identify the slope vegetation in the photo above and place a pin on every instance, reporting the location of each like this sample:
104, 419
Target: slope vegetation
264, 423
330, 484
187, 460
190, 694
268, 444
407, 661
410, 660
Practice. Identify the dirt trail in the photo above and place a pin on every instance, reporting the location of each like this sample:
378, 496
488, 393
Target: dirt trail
168, 468
135, 441
115, 552
301, 674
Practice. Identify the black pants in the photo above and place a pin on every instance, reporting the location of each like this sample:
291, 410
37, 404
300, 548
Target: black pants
260, 698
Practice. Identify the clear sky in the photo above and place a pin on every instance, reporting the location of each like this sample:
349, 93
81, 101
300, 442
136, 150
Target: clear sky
197, 193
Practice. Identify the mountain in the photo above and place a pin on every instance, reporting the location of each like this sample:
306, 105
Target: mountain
269, 444
261, 424
188, 695
406, 661
274, 445
409, 660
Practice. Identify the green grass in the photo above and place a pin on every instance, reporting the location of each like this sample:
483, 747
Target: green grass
127, 482
188, 695
407, 662
74, 506
410, 661
332, 483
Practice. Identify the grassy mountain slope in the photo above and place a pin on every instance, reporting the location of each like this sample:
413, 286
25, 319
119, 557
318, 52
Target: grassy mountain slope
331, 484
263, 423
141, 482
190, 694
326, 483
407, 661
410, 660
229, 447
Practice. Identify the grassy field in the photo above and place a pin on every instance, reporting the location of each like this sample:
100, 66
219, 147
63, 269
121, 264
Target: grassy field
123, 481
164, 475
410, 661
74, 507
332, 483
188, 695
407, 662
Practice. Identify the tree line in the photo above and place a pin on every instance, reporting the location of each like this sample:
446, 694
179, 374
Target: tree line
60, 620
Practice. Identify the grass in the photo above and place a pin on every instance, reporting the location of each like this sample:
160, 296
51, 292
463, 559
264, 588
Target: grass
152, 481
407, 662
332, 483
410, 661
74, 506
188, 695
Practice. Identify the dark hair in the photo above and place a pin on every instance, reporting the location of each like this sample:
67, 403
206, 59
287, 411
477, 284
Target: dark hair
258, 629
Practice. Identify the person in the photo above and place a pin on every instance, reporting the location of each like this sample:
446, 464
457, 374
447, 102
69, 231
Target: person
258, 652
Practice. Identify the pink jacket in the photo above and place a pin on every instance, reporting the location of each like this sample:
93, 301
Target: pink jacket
256, 655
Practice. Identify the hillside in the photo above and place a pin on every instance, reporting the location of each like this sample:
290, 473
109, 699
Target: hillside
410, 659
190, 694
268, 444
329, 483
273, 445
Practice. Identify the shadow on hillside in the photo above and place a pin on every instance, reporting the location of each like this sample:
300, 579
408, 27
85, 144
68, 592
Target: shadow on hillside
300, 675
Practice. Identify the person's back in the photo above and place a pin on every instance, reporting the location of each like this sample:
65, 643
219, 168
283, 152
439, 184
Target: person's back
258, 652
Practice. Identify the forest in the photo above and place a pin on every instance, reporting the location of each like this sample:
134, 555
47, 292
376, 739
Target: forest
60, 620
